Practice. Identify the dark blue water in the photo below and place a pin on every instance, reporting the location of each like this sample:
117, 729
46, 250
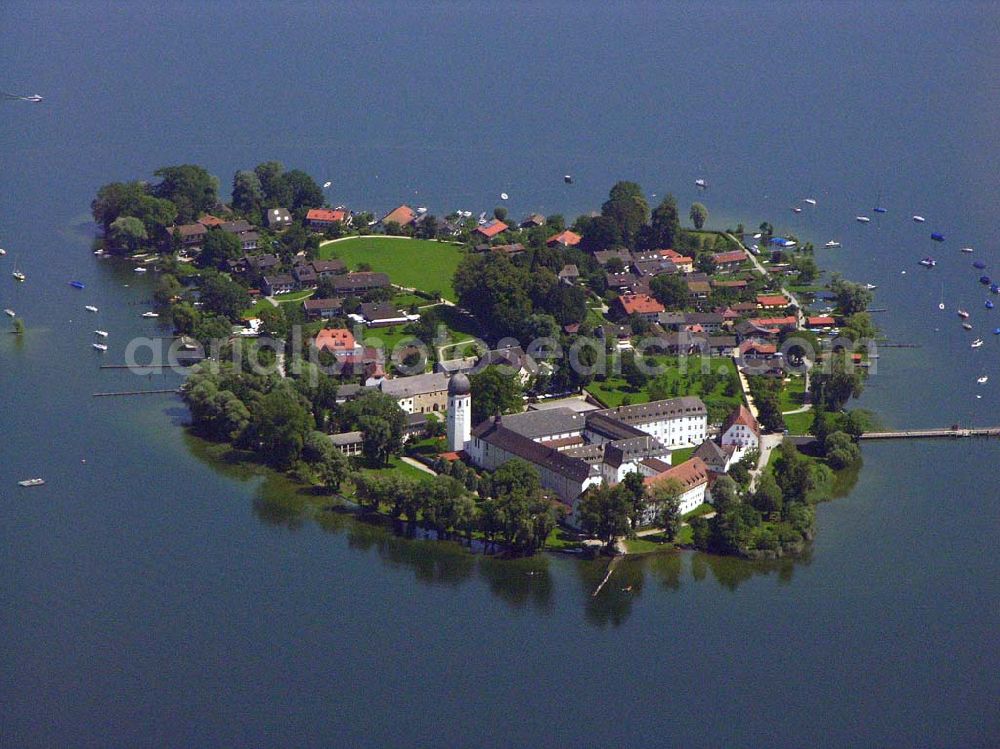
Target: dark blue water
152, 596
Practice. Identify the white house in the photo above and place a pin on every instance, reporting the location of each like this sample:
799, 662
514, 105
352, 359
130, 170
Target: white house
741, 431
691, 478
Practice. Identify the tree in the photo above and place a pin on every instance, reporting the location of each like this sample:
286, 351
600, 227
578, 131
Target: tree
670, 290
627, 207
116, 199
184, 316
724, 493
218, 247
633, 372
189, 187
281, 424
248, 195
698, 215
223, 296
793, 474
599, 233
832, 389
767, 498
500, 213
303, 190
380, 413
666, 497
806, 266
494, 392
516, 476
128, 233
851, 297
604, 512
634, 486
277, 192
841, 450
274, 322
665, 224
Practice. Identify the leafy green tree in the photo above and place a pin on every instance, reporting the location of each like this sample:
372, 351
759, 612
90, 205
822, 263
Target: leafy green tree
634, 486
281, 424
851, 297
248, 195
128, 233
806, 267
274, 322
793, 474
599, 233
698, 215
208, 328
516, 476
841, 450
304, 191
666, 496
379, 413
184, 317
494, 392
604, 512
277, 191
218, 247
665, 224
633, 372
832, 389
670, 290
222, 296
116, 199
627, 207
767, 498
500, 213
495, 291
189, 187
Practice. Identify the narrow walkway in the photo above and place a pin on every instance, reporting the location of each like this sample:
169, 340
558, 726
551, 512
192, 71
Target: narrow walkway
768, 442
418, 465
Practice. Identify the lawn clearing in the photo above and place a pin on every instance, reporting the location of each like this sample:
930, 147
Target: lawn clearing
414, 263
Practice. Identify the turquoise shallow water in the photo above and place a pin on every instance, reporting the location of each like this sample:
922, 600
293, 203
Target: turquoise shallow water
151, 596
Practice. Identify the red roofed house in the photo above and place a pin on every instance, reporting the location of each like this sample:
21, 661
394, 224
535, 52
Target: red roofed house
741, 430
780, 323
691, 478
772, 301
640, 304
338, 341
755, 350
322, 219
822, 321
403, 216
729, 260
684, 263
491, 228
564, 239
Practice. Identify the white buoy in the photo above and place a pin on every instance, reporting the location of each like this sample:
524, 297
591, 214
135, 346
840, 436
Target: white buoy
503, 196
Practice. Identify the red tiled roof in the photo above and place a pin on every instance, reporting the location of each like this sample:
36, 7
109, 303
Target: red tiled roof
677, 257
335, 339
402, 215
772, 300
688, 474
209, 220
567, 238
742, 416
820, 321
760, 348
492, 228
325, 214
641, 303
737, 284
736, 256
771, 322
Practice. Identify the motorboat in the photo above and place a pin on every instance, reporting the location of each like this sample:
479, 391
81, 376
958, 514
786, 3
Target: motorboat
2, 252
862, 219
77, 284
985, 280
796, 209
31, 482
989, 304
503, 196
568, 179
967, 326
963, 314
832, 244
755, 249
919, 219
983, 380
327, 184
100, 346
995, 288
19, 276
758, 235
101, 333
968, 249
810, 201
996, 331
701, 184
977, 343
879, 209
928, 262
871, 286
140, 269
90, 308
150, 314
937, 237
10, 313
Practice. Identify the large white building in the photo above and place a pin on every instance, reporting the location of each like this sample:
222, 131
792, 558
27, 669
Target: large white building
741, 432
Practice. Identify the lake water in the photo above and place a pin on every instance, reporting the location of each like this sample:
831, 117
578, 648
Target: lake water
151, 596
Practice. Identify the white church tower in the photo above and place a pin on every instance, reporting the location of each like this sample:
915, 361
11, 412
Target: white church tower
459, 412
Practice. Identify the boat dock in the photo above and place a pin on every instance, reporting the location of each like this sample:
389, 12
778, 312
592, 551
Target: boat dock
137, 392
914, 434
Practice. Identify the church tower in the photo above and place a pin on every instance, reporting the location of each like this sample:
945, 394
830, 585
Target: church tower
459, 412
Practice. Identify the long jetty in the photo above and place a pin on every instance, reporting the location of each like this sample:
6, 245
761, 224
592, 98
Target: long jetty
914, 434
136, 392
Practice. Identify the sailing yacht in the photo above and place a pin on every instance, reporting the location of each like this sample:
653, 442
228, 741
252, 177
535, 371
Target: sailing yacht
17, 274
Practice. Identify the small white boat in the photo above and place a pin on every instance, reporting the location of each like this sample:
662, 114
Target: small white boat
503, 196
100, 346
98, 252
10, 313
941, 305
755, 248
796, 209
871, 286
2, 252
810, 201
967, 249
963, 314
140, 269
700, 183
150, 314
862, 219
919, 219
18, 275
101, 333
31, 482
568, 179
832, 244
758, 235
327, 184
422, 210
983, 380
90, 308
976, 343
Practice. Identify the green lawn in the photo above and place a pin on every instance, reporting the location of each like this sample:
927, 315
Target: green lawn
679, 456
614, 390
792, 394
416, 263
799, 423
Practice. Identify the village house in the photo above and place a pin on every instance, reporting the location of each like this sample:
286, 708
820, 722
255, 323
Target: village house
403, 215
719, 459
382, 314
321, 219
780, 324
305, 276
741, 432
532, 221
820, 322
328, 268
338, 341
358, 283
422, 393
684, 263
691, 479
565, 238
510, 250
349, 443
280, 284
728, 261
604, 256
322, 309
772, 301
569, 274
491, 228
621, 282
191, 235
277, 219
639, 304
699, 290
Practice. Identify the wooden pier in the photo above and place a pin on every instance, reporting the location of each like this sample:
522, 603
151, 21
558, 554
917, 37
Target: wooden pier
915, 434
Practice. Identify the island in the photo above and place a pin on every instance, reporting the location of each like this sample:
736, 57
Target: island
620, 383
